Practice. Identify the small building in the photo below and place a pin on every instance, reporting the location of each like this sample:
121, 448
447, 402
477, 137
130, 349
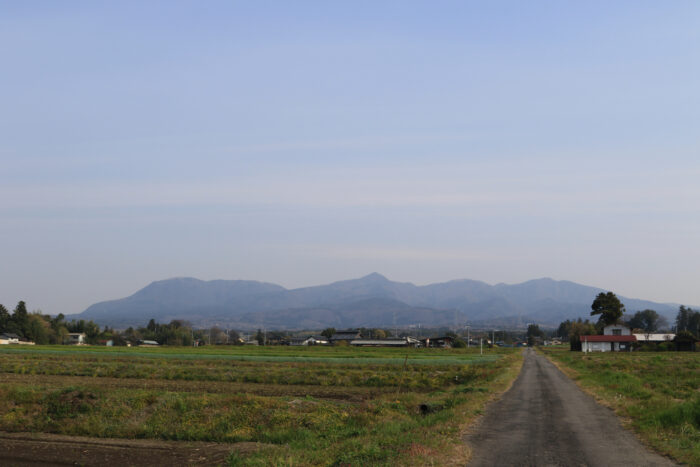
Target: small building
321, 340
552, 341
76, 338
685, 342
390, 342
297, 341
310, 340
444, 342
345, 336
147, 343
9, 338
654, 338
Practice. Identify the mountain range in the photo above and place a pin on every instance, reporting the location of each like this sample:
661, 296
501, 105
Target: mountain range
370, 301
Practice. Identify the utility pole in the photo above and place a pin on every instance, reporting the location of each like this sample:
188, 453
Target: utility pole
468, 335
481, 344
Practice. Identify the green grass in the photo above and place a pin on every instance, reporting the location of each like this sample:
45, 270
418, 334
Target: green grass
69, 390
277, 353
657, 393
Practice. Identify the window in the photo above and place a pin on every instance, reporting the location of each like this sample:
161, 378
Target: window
617, 332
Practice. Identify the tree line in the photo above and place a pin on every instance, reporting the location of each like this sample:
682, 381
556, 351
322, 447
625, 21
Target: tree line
44, 329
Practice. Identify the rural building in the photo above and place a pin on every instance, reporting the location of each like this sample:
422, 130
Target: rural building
147, 343
685, 342
391, 342
310, 340
346, 336
321, 340
615, 338
444, 342
296, 341
654, 338
9, 338
76, 338
552, 341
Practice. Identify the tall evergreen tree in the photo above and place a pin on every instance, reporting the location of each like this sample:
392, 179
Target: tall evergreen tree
683, 318
4, 319
20, 319
609, 307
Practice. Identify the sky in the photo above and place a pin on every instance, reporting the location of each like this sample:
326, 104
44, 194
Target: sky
306, 142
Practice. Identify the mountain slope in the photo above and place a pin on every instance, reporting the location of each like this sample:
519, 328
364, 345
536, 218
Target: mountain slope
372, 300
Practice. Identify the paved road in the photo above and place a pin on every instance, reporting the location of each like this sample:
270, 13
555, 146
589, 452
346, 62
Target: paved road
546, 420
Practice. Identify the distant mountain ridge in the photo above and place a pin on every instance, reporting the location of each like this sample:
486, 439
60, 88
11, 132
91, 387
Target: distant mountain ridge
370, 301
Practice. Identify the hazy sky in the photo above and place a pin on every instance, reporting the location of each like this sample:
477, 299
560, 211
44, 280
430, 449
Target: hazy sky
306, 142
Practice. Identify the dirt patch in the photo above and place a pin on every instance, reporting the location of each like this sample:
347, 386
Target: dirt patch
354, 394
33, 449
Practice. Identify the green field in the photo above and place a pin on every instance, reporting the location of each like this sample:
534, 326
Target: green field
304, 406
656, 393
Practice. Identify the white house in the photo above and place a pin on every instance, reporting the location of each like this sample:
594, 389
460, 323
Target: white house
76, 338
615, 338
9, 338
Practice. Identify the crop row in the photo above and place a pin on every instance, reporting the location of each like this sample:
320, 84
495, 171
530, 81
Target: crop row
419, 377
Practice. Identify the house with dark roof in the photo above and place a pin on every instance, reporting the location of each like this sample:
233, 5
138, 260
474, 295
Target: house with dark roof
345, 336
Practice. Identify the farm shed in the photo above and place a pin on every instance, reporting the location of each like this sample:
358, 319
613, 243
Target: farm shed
685, 342
654, 338
394, 342
147, 343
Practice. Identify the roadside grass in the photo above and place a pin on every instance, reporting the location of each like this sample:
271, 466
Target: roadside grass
657, 394
416, 419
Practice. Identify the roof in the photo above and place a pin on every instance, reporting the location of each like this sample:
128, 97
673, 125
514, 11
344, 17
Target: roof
656, 337
608, 339
380, 342
9, 335
347, 335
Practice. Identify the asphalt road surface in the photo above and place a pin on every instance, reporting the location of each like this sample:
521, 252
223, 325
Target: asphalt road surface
546, 420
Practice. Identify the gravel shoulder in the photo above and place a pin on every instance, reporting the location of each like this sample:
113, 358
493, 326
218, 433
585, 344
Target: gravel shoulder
545, 419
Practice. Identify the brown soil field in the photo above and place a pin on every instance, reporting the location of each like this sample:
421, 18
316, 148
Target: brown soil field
347, 394
35, 449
